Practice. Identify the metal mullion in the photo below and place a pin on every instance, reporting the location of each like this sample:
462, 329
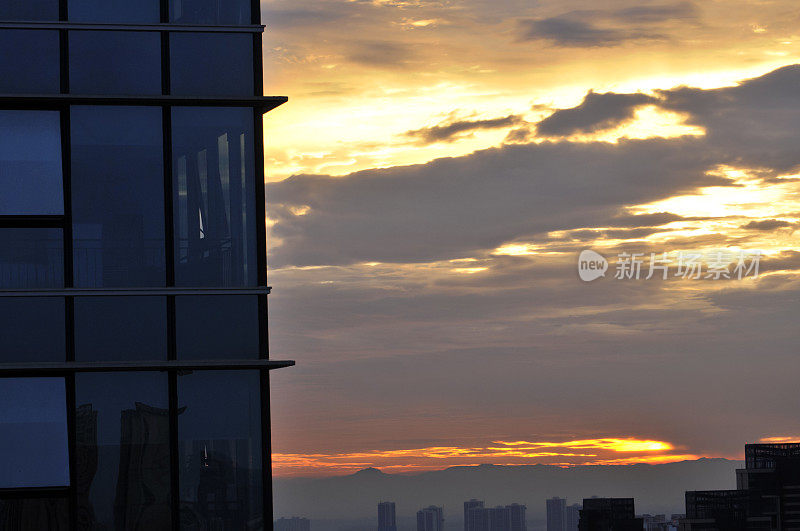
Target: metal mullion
72, 443
174, 472
32, 222
266, 450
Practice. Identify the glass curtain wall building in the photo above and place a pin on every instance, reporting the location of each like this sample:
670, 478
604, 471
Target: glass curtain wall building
134, 362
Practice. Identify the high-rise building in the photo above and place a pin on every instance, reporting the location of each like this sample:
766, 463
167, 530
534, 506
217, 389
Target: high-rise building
555, 513
430, 519
478, 518
499, 518
516, 515
572, 515
609, 514
134, 370
766, 497
293, 524
386, 516
471, 517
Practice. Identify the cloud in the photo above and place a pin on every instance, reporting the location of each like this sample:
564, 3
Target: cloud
768, 224
656, 13
382, 54
450, 131
573, 32
596, 112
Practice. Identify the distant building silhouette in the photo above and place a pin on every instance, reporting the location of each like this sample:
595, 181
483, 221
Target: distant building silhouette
516, 515
430, 519
386, 517
609, 514
477, 518
470, 523
293, 524
499, 518
555, 513
572, 515
767, 495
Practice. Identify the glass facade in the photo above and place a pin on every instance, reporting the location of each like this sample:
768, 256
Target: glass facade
114, 62
133, 327
30, 163
219, 438
122, 448
214, 196
117, 196
33, 433
20, 74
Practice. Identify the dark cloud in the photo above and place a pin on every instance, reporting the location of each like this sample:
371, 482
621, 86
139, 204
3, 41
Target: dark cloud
520, 135
596, 112
449, 131
646, 220
449, 208
382, 54
768, 224
293, 18
656, 13
574, 32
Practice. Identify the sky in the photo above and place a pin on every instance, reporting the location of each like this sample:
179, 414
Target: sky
437, 171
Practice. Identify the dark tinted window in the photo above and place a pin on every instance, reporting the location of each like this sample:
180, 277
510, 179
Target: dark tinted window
122, 452
114, 62
219, 436
31, 258
36, 512
222, 12
33, 433
30, 163
21, 73
211, 64
120, 328
214, 196
140, 11
29, 10
32, 329
117, 196
217, 326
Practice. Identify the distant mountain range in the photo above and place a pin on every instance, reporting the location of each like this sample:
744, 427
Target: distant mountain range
349, 503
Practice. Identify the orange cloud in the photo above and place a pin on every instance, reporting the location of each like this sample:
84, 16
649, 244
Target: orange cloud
604, 451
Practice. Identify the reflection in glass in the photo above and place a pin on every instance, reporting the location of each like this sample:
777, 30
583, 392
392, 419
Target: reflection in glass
32, 329
33, 433
214, 196
117, 196
217, 326
29, 10
120, 11
114, 62
120, 328
20, 73
219, 435
122, 451
34, 513
30, 163
211, 64
212, 12
31, 258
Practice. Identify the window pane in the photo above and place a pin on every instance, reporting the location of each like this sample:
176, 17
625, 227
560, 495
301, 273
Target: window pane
217, 326
27, 514
117, 197
214, 196
31, 259
30, 163
219, 437
114, 62
33, 68
122, 452
120, 328
32, 329
29, 10
222, 12
33, 433
211, 64
126, 11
